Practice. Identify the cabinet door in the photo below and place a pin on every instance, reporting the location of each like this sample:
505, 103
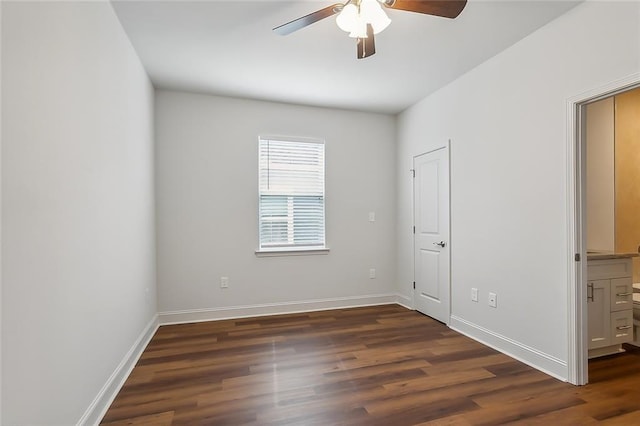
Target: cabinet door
599, 314
621, 327
621, 294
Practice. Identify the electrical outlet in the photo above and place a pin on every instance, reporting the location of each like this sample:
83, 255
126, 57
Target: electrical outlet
224, 282
372, 273
372, 216
474, 294
493, 300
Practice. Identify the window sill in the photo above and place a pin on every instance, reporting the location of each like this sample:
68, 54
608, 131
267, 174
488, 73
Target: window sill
299, 251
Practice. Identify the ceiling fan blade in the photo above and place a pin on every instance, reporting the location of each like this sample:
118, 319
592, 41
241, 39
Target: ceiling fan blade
309, 19
444, 8
367, 46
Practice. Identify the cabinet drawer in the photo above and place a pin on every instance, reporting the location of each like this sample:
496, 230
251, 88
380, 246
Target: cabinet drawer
621, 294
610, 268
621, 327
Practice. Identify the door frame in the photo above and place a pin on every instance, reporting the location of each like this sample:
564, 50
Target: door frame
577, 355
447, 147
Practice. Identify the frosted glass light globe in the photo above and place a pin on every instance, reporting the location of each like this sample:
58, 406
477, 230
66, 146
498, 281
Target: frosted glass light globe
347, 18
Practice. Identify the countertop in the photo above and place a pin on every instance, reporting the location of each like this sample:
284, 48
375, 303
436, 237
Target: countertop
604, 255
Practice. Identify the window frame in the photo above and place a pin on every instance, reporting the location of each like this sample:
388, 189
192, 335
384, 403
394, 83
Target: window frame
292, 250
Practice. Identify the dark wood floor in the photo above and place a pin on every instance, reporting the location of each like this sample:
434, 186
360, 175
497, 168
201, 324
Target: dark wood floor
382, 365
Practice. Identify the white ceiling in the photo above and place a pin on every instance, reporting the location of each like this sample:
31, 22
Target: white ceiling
228, 48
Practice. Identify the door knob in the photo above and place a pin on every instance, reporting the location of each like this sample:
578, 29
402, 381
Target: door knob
441, 244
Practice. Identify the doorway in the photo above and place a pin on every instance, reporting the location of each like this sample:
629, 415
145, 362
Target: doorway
579, 290
431, 196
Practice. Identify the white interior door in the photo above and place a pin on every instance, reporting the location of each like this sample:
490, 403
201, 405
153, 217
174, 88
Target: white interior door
431, 239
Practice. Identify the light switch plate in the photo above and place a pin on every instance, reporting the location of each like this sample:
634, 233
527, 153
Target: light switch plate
372, 216
474, 294
493, 300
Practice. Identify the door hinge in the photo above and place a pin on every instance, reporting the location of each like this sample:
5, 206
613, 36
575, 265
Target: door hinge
414, 285
414, 229
577, 257
413, 172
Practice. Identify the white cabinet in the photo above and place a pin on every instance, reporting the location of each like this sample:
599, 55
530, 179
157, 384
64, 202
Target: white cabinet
609, 305
599, 313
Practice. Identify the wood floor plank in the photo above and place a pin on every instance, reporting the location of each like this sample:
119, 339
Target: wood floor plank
626, 419
378, 365
454, 420
159, 419
574, 415
438, 381
523, 409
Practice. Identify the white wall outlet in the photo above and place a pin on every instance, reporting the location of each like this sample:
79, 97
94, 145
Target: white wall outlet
372, 273
474, 294
224, 282
493, 300
372, 216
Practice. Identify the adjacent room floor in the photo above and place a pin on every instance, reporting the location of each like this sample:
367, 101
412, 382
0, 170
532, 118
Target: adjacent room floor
380, 365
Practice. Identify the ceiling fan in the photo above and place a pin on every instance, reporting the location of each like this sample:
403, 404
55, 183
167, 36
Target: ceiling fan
364, 18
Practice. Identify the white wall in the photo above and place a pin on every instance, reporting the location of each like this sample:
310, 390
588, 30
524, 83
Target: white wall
77, 206
207, 201
507, 121
600, 141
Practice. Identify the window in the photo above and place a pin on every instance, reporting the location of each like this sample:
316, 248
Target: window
291, 191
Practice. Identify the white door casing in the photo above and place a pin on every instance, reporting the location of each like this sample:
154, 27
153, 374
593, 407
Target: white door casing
431, 235
577, 315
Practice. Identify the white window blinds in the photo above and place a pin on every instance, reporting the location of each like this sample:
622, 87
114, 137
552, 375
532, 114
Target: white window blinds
291, 191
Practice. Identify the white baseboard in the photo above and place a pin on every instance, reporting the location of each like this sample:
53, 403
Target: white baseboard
404, 301
537, 359
231, 312
107, 394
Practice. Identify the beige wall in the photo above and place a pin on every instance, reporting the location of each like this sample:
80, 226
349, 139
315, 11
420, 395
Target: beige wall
208, 228
627, 164
600, 176
508, 166
78, 240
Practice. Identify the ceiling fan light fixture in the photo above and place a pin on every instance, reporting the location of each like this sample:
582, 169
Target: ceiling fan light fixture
354, 18
372, 13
